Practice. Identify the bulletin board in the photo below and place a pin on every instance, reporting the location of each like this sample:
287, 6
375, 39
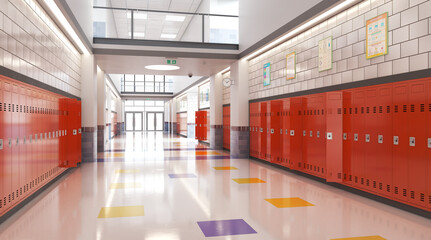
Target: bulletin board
325, 54
291, 66
377, 36
267, 74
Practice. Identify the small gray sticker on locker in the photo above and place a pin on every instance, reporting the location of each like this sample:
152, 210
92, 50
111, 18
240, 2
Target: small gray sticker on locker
10, 142
311, 133
287, 131
355, 137
367, 137
429, 142
281, 131
49, 135
1, 144
345, 136
30, 138
261, 129
396, 140
25, 139
412, 141
292, 132
380, 138
304, 133
17, 141
318, 134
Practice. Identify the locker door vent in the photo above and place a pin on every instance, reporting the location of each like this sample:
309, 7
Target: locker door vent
345, 176
368, 182
323, 112
404, 108
374, 110
374, 184
13, 195
314, 168
20, 191
323, 170
339, 111
9, 198
412, 194
396, 190
422, 107
368, 109
356, 179
345, 110
405, 192
339, 175
388, 188
1, 203
380, 109
318, 169
362, 181
350, 177
429, 107
380, 186
422, 197
412, 108
350, 110
396, 108
429, 199
1, 108
388, 109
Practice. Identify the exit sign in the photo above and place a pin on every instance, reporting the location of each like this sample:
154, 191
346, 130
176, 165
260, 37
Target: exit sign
172, 61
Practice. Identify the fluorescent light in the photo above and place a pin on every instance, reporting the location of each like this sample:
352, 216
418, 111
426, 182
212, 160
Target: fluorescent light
167, 35
224, 70
137, 34
303, 27
66, 25
137, 15
162, 67
175, 18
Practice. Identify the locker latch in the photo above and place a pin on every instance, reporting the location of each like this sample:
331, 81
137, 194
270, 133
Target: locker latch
380, 138
65, 132
412, 141
355, 137
1, 144
287, 131
304, 133
429, 142
46, 136
345, 136
30, 138
367, 137
281, 131
329, 136
292, 132
25, 139
272, 131
261, 129
74, 132
318, 134
396, 140
49, 135
311, 133
17, 141
10, 143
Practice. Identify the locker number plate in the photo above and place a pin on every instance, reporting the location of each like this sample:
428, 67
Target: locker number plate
311, 133
74, 131
412, 141
292, 132
261, 129
318, 134
281, 131
272, 131
367, 137
355, 137
304, 133
329, 136
396, 140
429, 142
345, 136
380, 138
1, 144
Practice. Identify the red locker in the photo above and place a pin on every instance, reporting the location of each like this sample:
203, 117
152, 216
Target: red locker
252, 123
2, 141
15, 143
306, 122
358, 131
276, 132
79, 122
347, 136
296, 128
370, 129
259, 129
318, 137
286, 133
263, 131
7, 149
226, 127
334, 137
428, 109
22, 142
268, 116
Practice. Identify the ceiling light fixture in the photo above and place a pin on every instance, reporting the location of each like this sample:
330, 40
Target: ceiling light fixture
175, 18
137, 34
162, 67
66, 25
303, 27
167, 35
137, 15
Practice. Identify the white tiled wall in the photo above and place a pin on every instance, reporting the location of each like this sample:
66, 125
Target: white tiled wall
409, 49
28, 45
226, 91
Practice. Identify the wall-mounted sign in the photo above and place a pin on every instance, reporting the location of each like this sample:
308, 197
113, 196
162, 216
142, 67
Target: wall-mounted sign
267, 74
171, 61
291, 66
377, 36
325, 54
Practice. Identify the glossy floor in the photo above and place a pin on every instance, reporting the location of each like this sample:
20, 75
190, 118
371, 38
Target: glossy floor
151, 186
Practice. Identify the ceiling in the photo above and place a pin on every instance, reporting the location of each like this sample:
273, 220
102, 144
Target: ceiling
117, 64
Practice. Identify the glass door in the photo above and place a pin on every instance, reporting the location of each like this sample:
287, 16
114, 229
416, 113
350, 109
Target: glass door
134, 121
155, 121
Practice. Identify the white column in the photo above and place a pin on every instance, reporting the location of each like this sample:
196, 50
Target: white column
216, 111
101, 110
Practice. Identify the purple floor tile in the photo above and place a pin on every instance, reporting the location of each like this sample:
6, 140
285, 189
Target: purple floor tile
186, 149
225, 228
183, 175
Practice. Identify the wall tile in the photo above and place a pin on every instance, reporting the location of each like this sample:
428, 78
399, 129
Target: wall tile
429, 60
409, 16
394, 21
336, 79
347, 77
347, 27
363, 61
400, 35
400, 65
352, 63
394, 52
385, 8
425, 44
419, 29
385, 69
358, 22
425, 10
358, 74
419, 62
371, 71
400, 5
358, 48
409, 48
376, 3
416, 2
364, 7
342, 65
347, 52
352, 37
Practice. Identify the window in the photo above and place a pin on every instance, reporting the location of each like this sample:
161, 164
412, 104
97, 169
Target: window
145, 84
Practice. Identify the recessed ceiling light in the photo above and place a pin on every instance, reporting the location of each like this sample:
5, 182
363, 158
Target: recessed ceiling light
166, 35
137, 34
175, 18
137, 15
162, 67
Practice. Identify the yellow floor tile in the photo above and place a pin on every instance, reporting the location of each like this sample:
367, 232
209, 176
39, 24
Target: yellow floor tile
248, 180
114, 155
206, 153
127, 171
125, 185
361, 238
225, 168
288, 202
115, 212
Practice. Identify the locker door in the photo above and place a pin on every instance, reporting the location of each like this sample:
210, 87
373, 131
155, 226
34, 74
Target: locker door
347, 136
225, 127
320, 129
62, 138
428, 110
15, 143
251, 121
74, 123
197, 125
79, 132
268, 127
357, 157
275, 135
400, 141
2, 141
383, 138
286, 133
263, 130
304, 133
417, 150
334, 137
296, 127
7, 144
370, 129
22, 142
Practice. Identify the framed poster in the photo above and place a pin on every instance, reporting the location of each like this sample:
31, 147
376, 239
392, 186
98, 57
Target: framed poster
267, 74
377, 36
325, 54
291, 66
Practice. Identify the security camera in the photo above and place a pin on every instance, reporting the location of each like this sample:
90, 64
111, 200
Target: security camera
190, 75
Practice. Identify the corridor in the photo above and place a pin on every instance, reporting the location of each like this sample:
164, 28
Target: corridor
155, 186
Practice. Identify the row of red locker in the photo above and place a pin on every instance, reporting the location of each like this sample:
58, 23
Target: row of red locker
182, 124
39, 136
226, 127
202, 125
372, 138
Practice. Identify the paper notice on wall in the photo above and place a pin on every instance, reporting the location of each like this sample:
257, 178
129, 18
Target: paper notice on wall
267, 74
377, 36
291, 66
325, 54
